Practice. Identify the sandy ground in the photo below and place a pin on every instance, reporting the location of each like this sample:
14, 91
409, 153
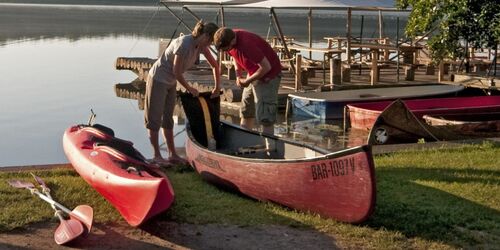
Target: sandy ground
170, 235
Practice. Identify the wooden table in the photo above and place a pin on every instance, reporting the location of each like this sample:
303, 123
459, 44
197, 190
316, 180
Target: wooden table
328, 53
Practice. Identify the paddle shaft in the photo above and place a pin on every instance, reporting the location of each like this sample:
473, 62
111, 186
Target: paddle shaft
51, 202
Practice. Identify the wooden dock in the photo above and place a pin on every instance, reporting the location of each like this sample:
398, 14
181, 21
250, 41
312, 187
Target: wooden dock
360, 76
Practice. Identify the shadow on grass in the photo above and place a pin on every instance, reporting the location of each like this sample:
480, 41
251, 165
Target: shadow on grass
405, 205
209, 217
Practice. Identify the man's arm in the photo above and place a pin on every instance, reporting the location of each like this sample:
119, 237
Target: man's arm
264, 68
215, 71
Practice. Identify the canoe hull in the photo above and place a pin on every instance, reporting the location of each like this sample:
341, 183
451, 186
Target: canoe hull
474, 124
136, 197
331, 104
338, 185
397, 124
363, 115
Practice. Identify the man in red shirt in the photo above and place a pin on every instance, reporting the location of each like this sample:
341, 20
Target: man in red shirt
253, 54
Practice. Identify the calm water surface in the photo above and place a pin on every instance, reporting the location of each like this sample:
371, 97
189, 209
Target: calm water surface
57, 63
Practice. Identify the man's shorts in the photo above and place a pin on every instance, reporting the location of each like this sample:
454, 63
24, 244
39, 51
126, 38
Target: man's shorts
159, 105
260, 101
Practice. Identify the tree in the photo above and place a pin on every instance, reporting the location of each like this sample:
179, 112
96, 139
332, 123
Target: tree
458, 24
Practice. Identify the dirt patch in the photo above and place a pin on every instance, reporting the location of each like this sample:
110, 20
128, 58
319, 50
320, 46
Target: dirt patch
171, 235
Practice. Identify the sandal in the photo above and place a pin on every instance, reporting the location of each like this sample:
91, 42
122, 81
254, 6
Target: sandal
160, 162
178, 160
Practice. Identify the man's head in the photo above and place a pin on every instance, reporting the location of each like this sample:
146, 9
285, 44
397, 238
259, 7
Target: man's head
223, 39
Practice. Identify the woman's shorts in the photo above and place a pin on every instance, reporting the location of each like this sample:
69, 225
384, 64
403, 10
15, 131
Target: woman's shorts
159, 105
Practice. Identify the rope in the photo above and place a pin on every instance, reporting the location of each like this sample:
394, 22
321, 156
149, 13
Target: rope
269, 27
145, 28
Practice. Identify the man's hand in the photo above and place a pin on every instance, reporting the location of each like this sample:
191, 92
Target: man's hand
242, 82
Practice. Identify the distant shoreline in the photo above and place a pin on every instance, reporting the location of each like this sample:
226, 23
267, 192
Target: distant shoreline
150, 3
81, 6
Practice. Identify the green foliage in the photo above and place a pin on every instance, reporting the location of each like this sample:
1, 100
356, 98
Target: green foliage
457, 22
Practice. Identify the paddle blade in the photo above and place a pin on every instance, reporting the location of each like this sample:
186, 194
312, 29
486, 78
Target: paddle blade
85, 214
39, 180
68, 230
21, 184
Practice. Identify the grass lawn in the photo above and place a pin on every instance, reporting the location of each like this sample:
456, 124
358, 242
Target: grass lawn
436, 198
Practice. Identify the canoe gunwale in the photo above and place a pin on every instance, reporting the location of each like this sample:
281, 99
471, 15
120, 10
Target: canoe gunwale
326, 154
292, 183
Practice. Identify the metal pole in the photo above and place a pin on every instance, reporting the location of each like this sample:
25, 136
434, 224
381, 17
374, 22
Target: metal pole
495, 61
192, 14
178, 18
222, 16
309, 22
278, 27
380, 25
397, 49
348, 35
361, 41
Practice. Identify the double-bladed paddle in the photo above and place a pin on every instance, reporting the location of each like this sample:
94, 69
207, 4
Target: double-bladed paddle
83, 214
69, 229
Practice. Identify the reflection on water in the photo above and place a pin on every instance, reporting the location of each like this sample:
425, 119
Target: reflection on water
57, 63
327, 134
18, 22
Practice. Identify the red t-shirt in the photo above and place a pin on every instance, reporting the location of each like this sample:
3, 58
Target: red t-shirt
250, 49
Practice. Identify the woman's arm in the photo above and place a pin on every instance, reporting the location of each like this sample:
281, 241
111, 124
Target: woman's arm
180, 77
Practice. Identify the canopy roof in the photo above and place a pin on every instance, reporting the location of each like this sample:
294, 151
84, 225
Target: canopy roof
289, 4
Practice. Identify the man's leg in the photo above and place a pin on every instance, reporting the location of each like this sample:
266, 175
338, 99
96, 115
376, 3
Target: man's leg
247, 123
247, 111
266, 104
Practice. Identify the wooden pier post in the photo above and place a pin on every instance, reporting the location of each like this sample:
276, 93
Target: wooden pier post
441, 72
374, 73
335, 71
298, 72
410, 72
346, 73
430, 69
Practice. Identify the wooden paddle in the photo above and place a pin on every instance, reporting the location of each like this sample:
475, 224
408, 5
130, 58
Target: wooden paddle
212, 144
82, 213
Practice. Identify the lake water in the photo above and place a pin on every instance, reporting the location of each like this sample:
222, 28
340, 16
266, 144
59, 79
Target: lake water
57, 63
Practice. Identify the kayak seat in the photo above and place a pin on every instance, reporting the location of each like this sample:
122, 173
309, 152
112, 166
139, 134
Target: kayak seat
104, 129
123, 147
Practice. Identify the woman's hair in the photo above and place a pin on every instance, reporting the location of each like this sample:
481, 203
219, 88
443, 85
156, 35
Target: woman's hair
204, 28
223, 37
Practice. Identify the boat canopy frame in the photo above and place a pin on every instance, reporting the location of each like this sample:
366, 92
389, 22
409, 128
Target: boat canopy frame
271, 5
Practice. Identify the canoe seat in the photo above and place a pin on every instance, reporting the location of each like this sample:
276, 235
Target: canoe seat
251, 149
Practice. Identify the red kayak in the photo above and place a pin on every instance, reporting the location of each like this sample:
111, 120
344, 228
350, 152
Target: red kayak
115, 169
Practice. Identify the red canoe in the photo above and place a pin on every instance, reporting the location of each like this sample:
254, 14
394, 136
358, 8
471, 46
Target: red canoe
485, 124
363, 115
339, 185
118, 172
